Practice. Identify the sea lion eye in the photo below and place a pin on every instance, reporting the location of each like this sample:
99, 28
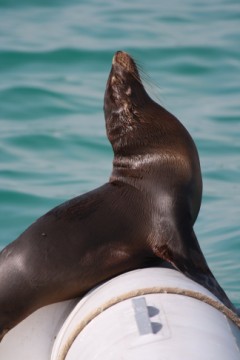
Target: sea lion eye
128, 91
113, 80
116, 80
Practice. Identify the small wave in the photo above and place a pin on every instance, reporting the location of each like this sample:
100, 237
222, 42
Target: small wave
60, 56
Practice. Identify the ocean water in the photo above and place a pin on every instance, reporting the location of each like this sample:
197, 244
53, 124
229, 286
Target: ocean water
55, 58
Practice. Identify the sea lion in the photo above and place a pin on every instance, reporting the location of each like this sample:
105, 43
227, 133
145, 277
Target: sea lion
144, 215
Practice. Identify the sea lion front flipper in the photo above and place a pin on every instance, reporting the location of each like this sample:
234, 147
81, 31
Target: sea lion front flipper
191, 262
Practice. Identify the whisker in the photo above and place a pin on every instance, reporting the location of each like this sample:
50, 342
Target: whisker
152, 86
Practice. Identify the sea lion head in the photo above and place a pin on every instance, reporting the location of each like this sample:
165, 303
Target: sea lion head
133, 120
124, 99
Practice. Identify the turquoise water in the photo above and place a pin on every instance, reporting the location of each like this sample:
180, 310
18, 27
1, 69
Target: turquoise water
55, 57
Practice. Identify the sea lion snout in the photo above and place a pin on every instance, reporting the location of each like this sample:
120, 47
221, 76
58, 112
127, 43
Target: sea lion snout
124, 65
124, 60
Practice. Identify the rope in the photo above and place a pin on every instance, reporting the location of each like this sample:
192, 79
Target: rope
145, 291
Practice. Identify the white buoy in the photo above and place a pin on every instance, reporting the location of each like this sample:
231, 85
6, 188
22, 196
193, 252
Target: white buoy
120, 320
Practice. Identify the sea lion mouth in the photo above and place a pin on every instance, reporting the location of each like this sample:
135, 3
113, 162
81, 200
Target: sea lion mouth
127, 63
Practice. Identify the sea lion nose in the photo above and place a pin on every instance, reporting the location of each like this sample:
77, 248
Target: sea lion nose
117, 56
122, 58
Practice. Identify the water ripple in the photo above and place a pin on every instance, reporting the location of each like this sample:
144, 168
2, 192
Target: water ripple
55, 58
